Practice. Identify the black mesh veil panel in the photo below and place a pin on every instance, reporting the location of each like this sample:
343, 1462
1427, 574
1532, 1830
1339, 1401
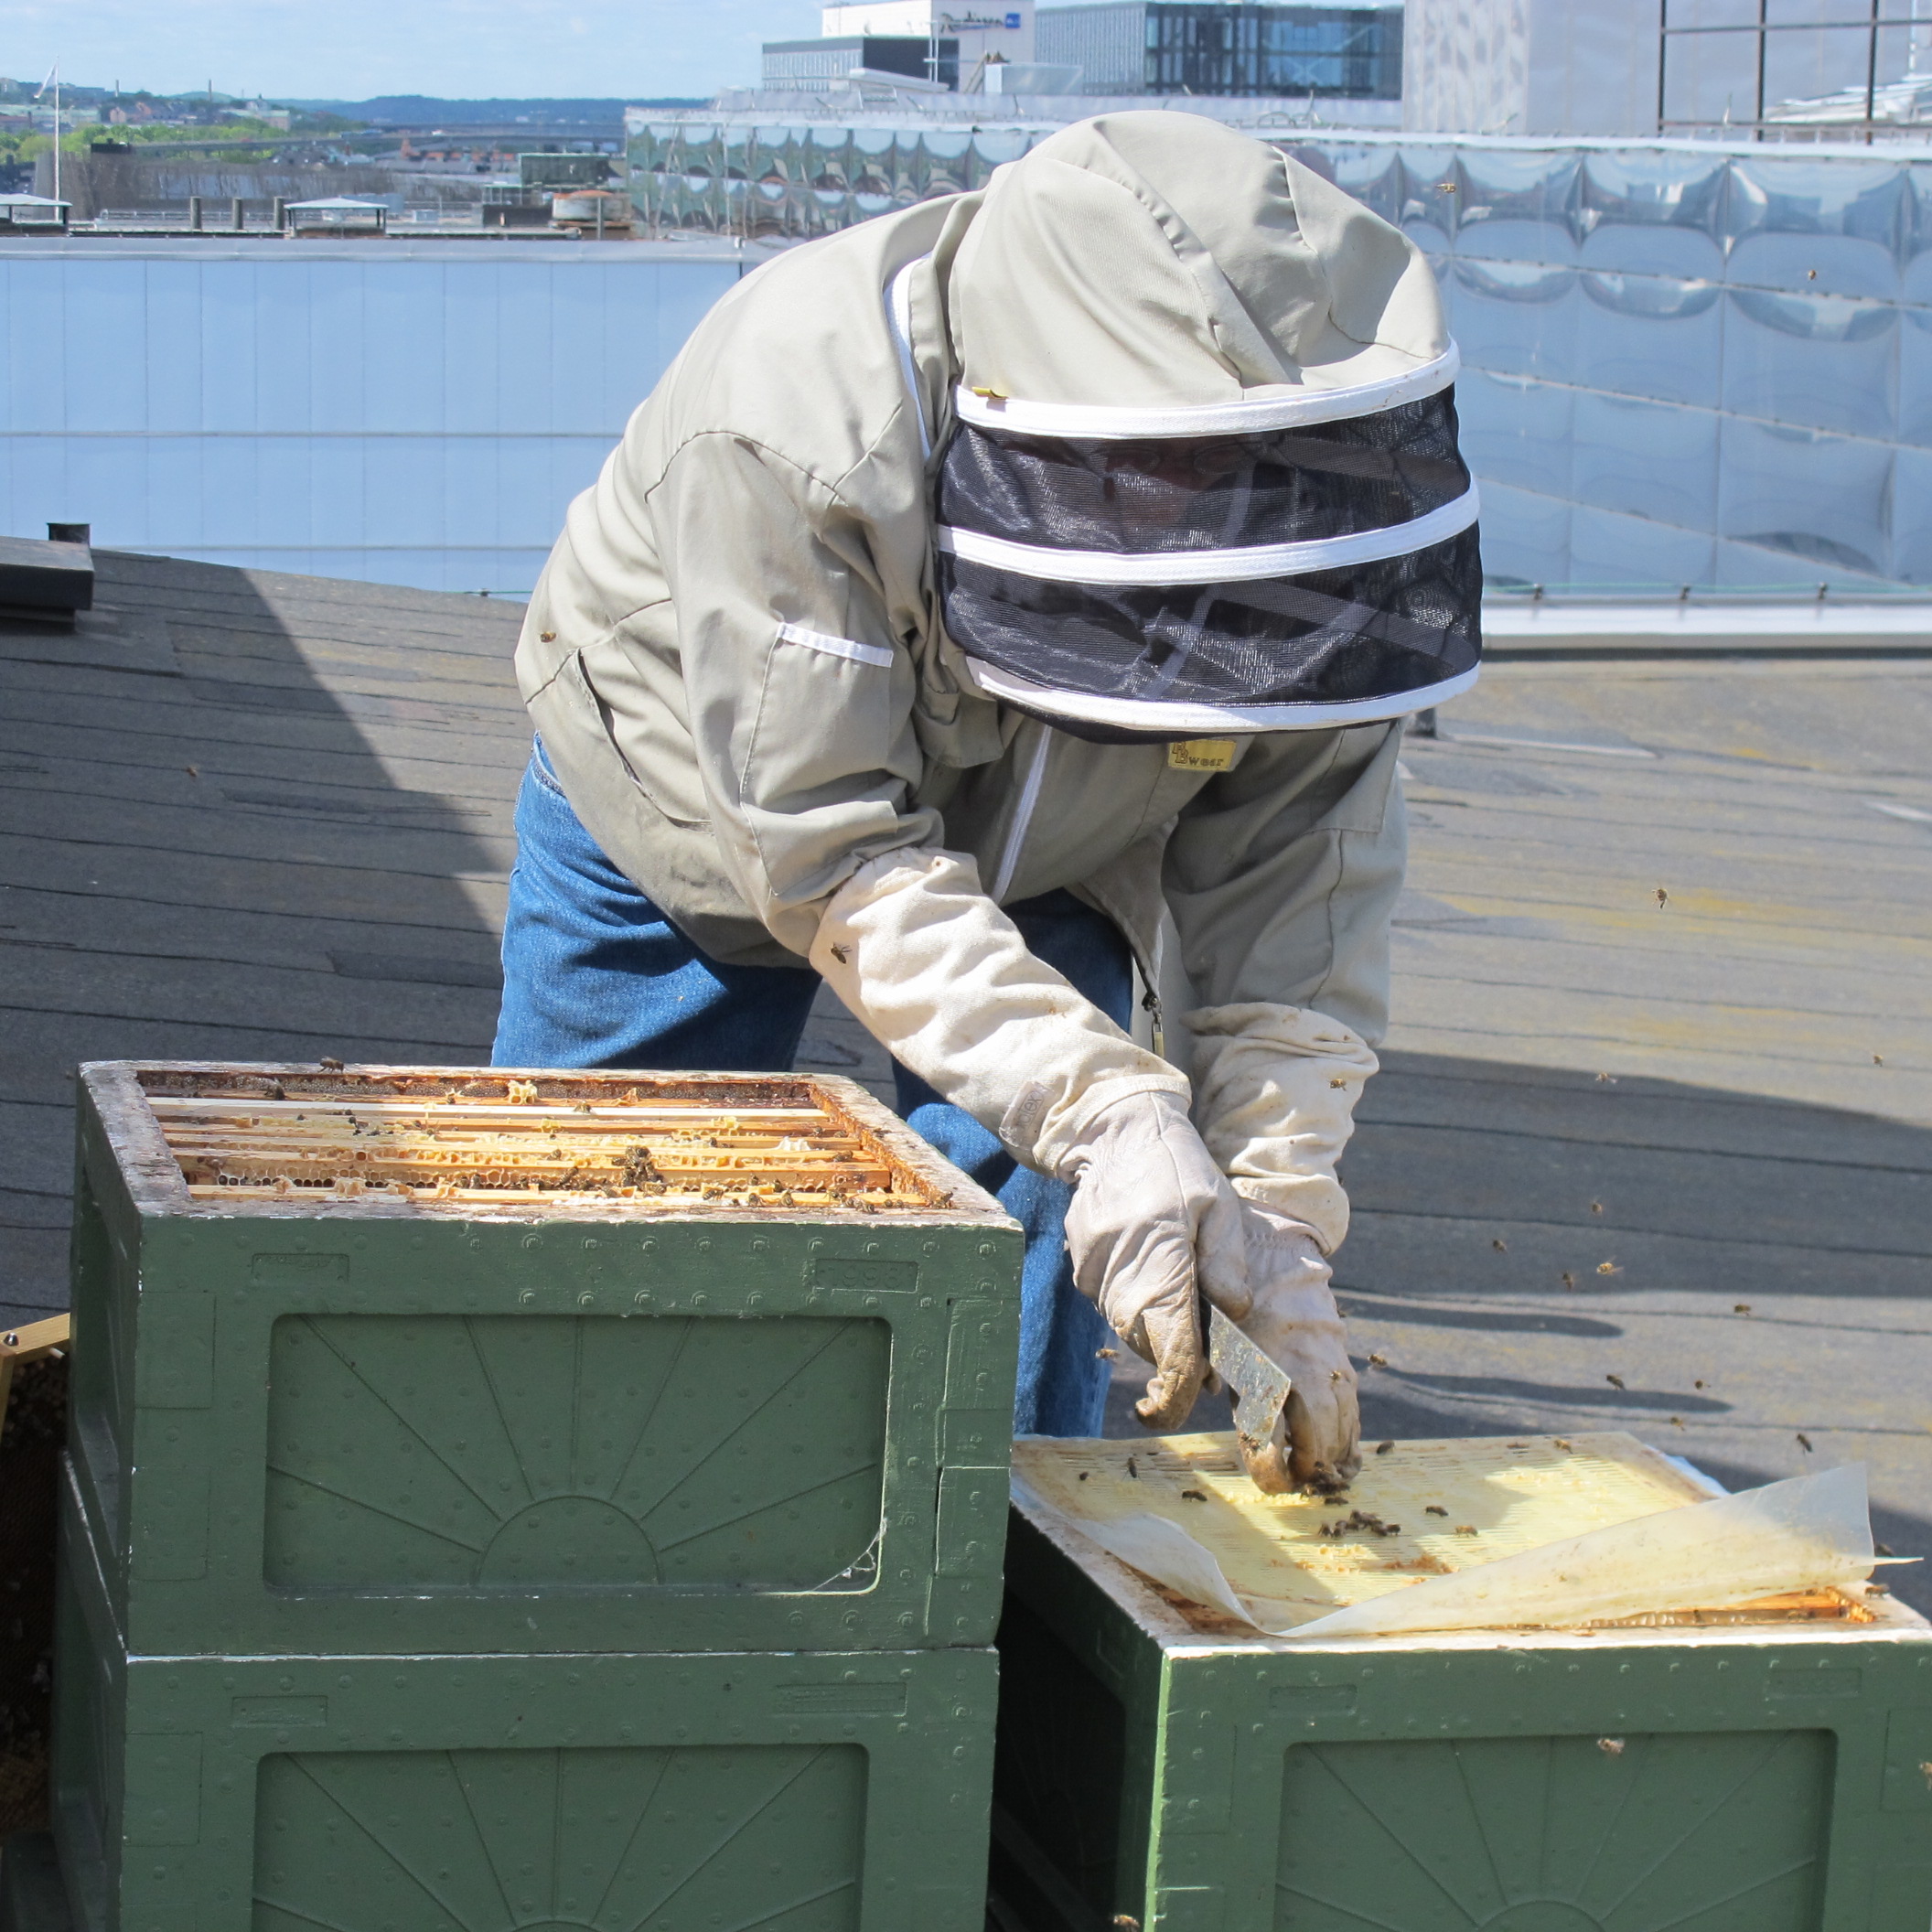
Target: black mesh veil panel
1286, 486
1334, 636
1386, 604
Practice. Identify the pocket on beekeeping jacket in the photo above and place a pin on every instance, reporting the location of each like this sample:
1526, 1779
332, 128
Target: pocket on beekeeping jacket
613, 688
831, 714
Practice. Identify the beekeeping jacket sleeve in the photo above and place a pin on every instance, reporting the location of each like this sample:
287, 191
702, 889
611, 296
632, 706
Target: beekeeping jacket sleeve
1311, 827
800, 701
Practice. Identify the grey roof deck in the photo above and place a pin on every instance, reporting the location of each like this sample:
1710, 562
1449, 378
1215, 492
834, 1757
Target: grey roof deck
247, 816
253, 816
1606, 1122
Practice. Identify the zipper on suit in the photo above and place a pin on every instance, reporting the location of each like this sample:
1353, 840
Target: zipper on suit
898, 323
1022, 816
1151, 999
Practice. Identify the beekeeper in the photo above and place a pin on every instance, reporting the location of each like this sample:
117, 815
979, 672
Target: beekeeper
980, 584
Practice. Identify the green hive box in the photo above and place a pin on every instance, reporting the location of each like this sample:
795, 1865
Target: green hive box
665, 1793
601, 1380
1760, 1778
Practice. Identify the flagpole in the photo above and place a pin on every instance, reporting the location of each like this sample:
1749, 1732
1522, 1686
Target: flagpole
53, 80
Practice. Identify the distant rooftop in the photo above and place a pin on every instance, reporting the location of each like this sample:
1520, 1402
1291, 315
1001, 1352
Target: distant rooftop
433, 111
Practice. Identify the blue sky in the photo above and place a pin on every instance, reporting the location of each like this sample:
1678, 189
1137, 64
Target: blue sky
351, 50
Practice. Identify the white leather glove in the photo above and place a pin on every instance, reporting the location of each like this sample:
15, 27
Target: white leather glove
1153, 1225
1275, 1089
941, 977
1294, 1323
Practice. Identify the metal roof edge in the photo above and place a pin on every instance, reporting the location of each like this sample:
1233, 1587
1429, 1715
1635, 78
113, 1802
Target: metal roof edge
370, 248
1519, 628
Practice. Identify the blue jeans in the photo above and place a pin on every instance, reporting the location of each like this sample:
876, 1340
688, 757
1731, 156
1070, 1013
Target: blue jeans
594, 975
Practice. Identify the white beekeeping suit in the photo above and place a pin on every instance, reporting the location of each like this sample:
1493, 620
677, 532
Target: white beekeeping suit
1094, 530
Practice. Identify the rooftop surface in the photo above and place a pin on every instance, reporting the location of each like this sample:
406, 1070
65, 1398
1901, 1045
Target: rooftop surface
1658, 1164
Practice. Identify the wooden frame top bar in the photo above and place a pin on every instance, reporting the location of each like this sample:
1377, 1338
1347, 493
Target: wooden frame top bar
220, 1138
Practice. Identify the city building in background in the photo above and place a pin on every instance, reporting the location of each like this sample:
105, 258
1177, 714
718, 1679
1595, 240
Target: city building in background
1775, 69
999, 32
150, 161
1779, 70
948, 47
812, 66
1115, 48
1533, 67
1208, 46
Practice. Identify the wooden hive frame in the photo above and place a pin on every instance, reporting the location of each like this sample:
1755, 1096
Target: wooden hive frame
464, 1140
31, 1342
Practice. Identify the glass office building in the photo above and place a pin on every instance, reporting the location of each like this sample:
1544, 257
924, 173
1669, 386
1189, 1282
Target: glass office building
1211, 48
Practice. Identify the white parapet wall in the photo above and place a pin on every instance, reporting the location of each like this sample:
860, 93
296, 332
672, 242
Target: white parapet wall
1684, 363
416, 414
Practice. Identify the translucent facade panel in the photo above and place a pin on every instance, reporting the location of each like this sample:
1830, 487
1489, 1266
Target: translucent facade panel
1516, 318
1511, 185
1429, 184
1914, 377
1836, 196
1718, 341
1526, 536
1821, 361
1815, 265
1748, 566
1374, 177
794, 182
1683, 357
1817, 498
1912, 517
1516, 238
1682, 254
1651, 336
1635, 189
1607, 549
1516, 432
1645, 459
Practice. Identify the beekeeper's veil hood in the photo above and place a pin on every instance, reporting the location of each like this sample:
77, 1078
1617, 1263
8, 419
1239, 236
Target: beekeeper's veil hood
1204, 477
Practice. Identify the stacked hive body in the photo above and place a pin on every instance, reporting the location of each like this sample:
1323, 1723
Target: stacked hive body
515, 1501
1161, 1765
